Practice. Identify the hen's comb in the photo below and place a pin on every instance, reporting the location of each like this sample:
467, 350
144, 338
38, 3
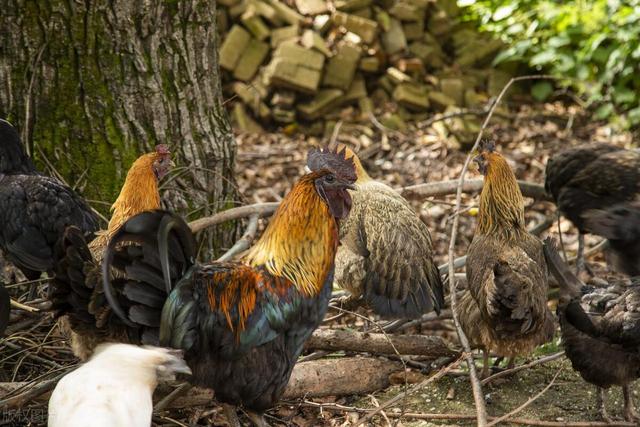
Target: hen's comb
334, 160
163, 149
487, 145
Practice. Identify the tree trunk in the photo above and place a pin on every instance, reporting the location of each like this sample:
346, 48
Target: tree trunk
92, 84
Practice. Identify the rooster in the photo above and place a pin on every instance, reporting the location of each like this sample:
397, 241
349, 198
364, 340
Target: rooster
620, 224
5, 309
386, 253
139, 193
34, 209
600, 331
588, 177
242, 325
114, 388
503, 309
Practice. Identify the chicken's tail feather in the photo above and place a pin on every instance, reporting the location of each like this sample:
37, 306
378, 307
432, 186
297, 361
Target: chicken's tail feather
570, 285
152, 251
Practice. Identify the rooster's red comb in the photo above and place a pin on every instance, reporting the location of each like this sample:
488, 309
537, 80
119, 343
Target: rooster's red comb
334, 160
162, 149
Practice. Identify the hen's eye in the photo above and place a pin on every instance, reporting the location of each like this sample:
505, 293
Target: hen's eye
330, 178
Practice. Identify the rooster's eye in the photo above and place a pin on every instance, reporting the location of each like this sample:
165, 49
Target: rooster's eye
330, 178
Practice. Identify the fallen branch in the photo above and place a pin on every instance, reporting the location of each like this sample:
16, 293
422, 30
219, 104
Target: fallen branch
261, 209
245, 241
23, 307
444, 188
375, 343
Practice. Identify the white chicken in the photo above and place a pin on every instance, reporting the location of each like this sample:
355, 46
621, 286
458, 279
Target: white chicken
114, 388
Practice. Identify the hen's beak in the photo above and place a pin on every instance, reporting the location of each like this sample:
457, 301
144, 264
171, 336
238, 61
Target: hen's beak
172, 163
351, 187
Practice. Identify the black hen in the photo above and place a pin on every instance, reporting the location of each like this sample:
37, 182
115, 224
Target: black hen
600, 330
591, 177
621, 225
34, 209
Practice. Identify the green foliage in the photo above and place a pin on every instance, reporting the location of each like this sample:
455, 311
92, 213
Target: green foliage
594, 44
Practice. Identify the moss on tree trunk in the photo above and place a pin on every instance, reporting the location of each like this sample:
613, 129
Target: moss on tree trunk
92, 84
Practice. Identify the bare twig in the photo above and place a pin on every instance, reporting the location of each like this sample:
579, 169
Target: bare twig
512, 371
166, 401
527, 403
23, 307
443, 188
245, 241
473, 375
262, 209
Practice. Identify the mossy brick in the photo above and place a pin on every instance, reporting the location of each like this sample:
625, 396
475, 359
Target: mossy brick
228, 3
311, 7
478, 52
367, 29
322, 23
411, 96
410, 65
233, 46
497, 81
394, 40
450, 7
285, 12
440, 100
299, 55
357, 90
292, 75
370, 64
342, 67
393, 121
386, 83
454, 89
413, 30
266, 11
324, 100
279, 35
365, 105
473, 99
439, 23
252, 57
238, 9
407, 11
284, 99
254, 23
243, 119
397, 76
282, 115
251, 98
365, 12
430, 55
351, 5
222, 20
312, 40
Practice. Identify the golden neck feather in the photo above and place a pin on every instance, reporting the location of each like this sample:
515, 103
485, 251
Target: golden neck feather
301, 240
501, 204
139, 193
361, 173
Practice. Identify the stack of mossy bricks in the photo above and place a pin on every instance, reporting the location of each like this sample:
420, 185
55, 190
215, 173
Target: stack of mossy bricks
302, 62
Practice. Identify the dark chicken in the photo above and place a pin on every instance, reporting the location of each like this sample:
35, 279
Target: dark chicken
620, 224
386, 254
504, 310
591, 177
34, 209
600, 330
242, 324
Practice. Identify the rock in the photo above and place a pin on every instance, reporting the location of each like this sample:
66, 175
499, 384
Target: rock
454, 89
342, 67
412, 96
252, 57
394, 40
363, 27
323, 101
233, 46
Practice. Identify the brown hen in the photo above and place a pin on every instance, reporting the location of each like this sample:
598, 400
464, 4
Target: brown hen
504, 310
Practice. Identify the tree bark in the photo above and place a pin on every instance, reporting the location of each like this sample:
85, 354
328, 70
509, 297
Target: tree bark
92, 84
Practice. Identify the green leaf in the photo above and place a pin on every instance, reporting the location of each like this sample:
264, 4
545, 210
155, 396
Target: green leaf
541, 91
503, 12
604, 111
543, 58
634, 116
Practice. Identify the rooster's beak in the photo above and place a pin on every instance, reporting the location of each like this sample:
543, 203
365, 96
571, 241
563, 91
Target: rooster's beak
351, 187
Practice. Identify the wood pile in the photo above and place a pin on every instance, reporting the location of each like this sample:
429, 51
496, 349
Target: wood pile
291, 63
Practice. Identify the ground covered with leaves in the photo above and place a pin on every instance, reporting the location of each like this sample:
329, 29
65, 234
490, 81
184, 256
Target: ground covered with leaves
34, 351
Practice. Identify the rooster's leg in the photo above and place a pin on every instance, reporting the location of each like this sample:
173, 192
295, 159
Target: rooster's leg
511, 362
580, 255
231, 415
257, 419
630, 413
602, 406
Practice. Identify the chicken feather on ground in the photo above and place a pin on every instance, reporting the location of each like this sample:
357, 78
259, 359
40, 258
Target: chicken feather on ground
139, 193
114, 388
241, 324
34, 209
600, 330
386, 255
593, 176
504, 308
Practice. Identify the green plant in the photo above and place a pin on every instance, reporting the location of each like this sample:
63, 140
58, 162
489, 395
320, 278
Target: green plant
595, 45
